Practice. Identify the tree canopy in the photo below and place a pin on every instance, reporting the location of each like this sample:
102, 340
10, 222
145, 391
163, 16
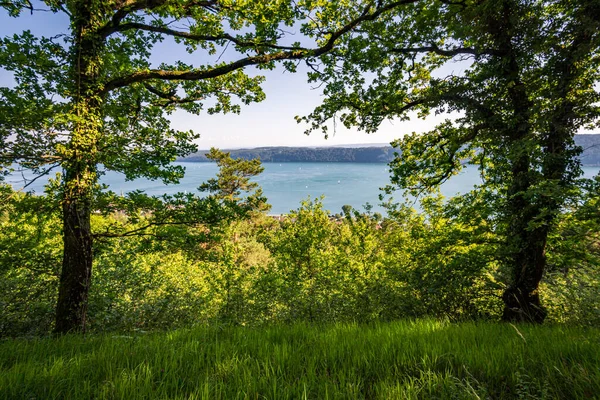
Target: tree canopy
95, 96
98, 97
526, 82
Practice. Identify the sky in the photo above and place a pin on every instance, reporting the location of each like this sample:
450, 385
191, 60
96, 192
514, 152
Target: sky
268, 123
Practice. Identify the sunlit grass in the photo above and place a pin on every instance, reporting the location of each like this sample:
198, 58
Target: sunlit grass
404, 360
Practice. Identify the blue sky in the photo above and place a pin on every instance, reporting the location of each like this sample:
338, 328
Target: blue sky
269, 123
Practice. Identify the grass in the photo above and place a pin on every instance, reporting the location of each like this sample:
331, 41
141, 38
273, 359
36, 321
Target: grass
421, 359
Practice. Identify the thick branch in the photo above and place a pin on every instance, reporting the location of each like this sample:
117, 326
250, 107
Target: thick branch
194, 75
129, 6
433, 48
295, 54
463, 3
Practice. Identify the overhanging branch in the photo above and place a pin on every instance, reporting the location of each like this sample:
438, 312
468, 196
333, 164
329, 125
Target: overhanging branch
433, 48
126, 7
292, 54
195, 75
195, 37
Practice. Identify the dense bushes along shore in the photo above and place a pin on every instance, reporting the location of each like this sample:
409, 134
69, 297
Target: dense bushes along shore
308, 267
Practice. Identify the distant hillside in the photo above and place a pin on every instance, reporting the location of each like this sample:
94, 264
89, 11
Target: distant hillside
591, 149
309, 154
365, 154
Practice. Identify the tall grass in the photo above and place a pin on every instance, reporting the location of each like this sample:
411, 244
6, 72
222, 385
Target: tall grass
421, 359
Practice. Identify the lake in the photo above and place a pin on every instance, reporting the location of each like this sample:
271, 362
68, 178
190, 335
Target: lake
286, 184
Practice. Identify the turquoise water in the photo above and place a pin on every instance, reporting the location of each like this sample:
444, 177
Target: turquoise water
286, 184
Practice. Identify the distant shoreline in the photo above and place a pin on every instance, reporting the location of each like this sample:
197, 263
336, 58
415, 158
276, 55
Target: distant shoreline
382, 155
583, 164
367, 153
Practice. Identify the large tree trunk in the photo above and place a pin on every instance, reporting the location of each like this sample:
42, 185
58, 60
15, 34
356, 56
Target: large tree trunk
559, 170
532, 218
527, 256
80, 170
524, 252
526, 242
77, 262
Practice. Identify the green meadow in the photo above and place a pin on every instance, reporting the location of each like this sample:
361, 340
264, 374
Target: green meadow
420, 359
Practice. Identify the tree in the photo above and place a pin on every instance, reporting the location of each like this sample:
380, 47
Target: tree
347, 210
234, 178
530, 81
92, 100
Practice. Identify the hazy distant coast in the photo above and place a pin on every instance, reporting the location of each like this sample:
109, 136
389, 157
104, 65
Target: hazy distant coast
380, 154
364, 154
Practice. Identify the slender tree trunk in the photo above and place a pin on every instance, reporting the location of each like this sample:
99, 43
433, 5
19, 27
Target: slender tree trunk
80, 171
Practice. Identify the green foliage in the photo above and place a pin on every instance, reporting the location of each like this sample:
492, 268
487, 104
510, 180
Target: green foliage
528, 83
305, 253
30, 253
449, 270
573, 278
94, 99
94, 95
233, 179
308, 267
422, 359
137, 290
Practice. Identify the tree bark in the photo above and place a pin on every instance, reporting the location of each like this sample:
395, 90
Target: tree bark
525, 243
521, 299
76, 271
559, 171
80, 176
